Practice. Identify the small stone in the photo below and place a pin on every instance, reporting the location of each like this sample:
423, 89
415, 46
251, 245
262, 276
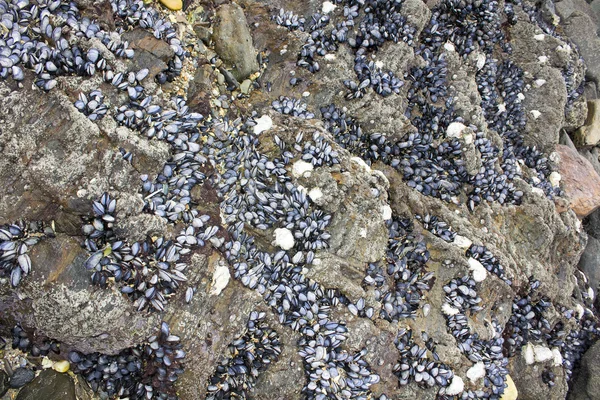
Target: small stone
579, 181
480, 61
542, 59
245, 86
539, 37
589, 133
21, 377
462, 242
510, 392
284, 238
449, 47
536, 114
61, 366
174, 5
540, 82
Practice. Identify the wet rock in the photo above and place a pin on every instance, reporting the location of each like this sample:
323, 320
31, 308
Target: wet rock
581, 28
66, 308
150, 52
543, 129
233, 41
3, 383
21, 377
586, 384
49, 385
528, 382
579, 181
590, 262
589, 133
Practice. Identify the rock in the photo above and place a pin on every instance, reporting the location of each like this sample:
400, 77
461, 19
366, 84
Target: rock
150, 52
49, 385
3, 383
581, 28
586, 385
589, 134
590, 262
579, 181
233, 41
21, 377
590, 91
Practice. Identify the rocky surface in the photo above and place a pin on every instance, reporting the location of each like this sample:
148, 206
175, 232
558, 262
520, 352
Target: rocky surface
49, 385
222, 210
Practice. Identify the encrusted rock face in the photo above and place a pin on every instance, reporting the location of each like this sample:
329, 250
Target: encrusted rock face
299, 200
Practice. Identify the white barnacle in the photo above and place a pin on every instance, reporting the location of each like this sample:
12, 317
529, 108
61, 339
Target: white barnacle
449, 310
540, 37
284, 238
557, 359
478, 270
542, 353
476, 372
328, 7
220, 279
528, 354
315, 193
302, 169
539, 82
455, 130
263, 124
386, 212
449, 47
456, 386
535, 113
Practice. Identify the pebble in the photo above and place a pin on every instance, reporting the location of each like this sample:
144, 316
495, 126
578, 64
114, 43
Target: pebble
61, 366
245, 86
21, 377
174, 5
510, 391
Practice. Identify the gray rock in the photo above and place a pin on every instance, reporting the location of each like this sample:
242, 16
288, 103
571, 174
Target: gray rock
586, 384
49, 385
233, 41
21, 377
3, 383
590, 262
581, 29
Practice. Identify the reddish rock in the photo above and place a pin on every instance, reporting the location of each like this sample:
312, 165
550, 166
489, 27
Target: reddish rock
580, 181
